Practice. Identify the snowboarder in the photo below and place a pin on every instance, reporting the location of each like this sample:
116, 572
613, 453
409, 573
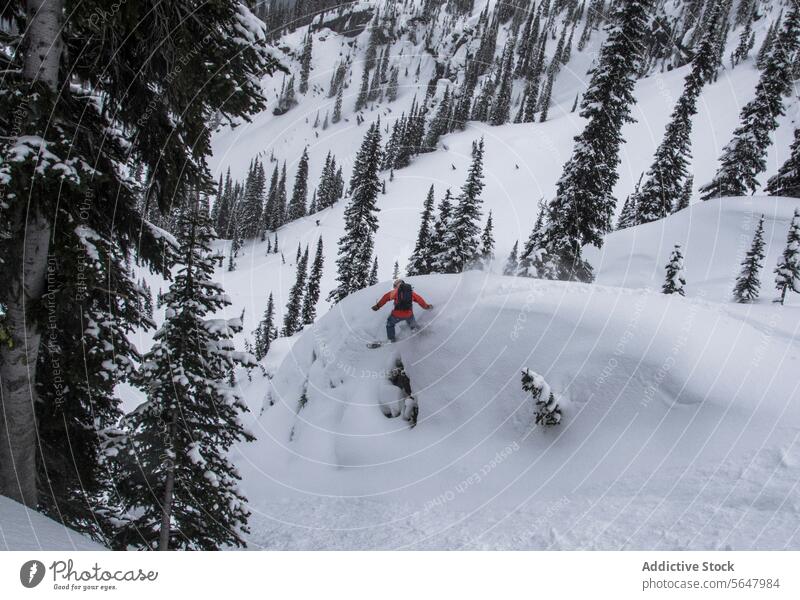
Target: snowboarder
403, 296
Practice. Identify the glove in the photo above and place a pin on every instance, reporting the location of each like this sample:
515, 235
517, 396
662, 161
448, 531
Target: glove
376, 307
430, 307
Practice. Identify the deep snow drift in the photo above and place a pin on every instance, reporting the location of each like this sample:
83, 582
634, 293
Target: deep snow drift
680, 427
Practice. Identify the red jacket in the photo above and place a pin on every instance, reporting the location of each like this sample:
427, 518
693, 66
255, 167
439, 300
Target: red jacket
402, 314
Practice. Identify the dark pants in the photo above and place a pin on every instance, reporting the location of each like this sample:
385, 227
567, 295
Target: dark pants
392, 321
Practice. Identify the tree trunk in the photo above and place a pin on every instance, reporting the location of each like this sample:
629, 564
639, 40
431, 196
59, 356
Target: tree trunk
18, 368
169, 487
43, 49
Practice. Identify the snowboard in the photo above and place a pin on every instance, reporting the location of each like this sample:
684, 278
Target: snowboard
378, 344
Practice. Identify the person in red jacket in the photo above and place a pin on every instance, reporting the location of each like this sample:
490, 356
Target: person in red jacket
403, 296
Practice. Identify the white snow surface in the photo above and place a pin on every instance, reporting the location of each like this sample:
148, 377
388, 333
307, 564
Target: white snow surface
24, 529
680, 415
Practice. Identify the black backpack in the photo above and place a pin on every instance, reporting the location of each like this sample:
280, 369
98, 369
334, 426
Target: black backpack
403, 299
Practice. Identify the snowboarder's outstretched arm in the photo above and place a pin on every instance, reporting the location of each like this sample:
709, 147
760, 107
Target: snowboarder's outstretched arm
384, 299
421, 301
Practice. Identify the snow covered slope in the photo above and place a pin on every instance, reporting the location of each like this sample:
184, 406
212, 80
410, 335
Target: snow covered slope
681, 415
25, 529
522, 161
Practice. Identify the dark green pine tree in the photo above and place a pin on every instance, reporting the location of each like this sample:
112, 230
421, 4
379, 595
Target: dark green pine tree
487, 243
627, 216
531, 259
512, 263
787, 273
480, 109
81, 213
582, 210
311, 296
269, 219
327, 183
462, 107
253, 201
337, 107
177, 481
663, 183
393, 86
360, 218
462, 240
748, 284
439, 125
395, 271
224, 213
281, 210
292, 319
547, 89
769, 42
746, 38
363, 92
685, 197
305, 63
438, 249
501, 108
674, 281
786, 182
373, 273
297, 205
266, 330
420, 262
744, 157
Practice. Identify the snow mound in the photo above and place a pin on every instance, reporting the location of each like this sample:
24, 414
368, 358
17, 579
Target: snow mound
714, 237
24, 529
670, 405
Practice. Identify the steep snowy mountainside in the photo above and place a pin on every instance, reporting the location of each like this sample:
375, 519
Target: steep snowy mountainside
522, 161
24, 529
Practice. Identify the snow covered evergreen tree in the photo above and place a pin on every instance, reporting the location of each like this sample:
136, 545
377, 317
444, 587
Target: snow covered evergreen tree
744, 157
305, 63
685, 197
786, 182
664, 179
581, 212
462, 239
674, 281
512, 263
748, 284
266, 330
177, 480
787, 273
337, 108
438, 248
292, 318
361, 222
373, 274
77, 210
487, 243
420, 262
547, 411
297, 205
311, 296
